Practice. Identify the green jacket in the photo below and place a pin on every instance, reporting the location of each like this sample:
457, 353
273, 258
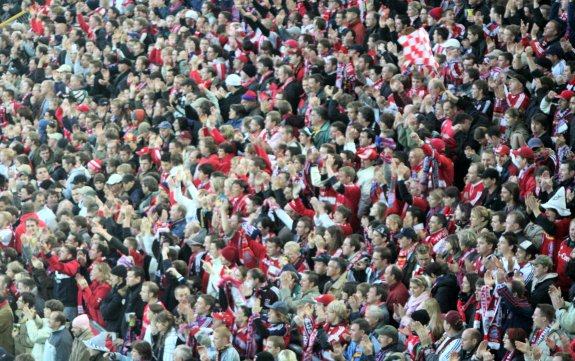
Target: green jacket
321, 136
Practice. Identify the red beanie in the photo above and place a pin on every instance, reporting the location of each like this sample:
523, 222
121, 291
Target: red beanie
436, 13
230, 254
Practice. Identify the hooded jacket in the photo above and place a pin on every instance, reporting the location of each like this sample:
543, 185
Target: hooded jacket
538, 289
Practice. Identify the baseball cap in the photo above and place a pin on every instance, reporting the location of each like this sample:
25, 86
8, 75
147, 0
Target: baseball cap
502, 150
382, 229
406, 232
389, 331
165, 125
453, 318
233, 80
524, 152
291, 43
323, 258
566, 94
452, 43
528, 247
535, 143
114, 179
324, 299
280, 306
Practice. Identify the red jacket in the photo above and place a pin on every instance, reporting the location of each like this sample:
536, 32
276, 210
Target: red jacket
358, 29
93, 295
526, 181
21, 229
445, 171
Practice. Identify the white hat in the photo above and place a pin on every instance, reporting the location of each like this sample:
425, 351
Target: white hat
233, 80
191, 14
114, 179
558, 203
452, 43
65, 68
98, 342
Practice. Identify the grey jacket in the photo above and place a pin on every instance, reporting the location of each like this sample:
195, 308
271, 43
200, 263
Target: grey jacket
59, 346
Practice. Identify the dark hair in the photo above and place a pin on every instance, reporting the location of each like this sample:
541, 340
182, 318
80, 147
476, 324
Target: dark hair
144, 349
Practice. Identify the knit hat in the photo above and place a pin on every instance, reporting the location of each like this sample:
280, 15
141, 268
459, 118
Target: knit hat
264, 356
421, 316
250, 96
230, 254
120, 271
436, 13
95, 164
250, 70
82, 322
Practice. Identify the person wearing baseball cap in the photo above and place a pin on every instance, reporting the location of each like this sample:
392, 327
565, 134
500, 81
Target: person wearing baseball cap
503, 158
543, 278
388, 337
525, 160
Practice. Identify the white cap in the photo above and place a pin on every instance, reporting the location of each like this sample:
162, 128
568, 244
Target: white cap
452, 43
233, 80
114, 179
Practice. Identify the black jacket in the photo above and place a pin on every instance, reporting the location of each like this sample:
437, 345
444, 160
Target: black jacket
445, 291
133, 304
538, 292
493, 201
112, 309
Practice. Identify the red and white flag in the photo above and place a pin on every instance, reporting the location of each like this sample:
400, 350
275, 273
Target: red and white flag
417, 50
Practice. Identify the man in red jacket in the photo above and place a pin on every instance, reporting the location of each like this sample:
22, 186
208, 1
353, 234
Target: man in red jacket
354, 23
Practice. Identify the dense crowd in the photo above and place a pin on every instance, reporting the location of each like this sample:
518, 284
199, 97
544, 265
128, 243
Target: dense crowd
278, 180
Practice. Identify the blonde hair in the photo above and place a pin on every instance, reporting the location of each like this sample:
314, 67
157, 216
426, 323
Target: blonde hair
339, 308
287, 355
291, 245
420, 281
435, 323
105, 271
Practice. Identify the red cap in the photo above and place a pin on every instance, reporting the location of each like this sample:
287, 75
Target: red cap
437, 144
243, 58
324, 299
566, 94
226, 317
291, 43
185, 134
130, 137
453, 318
86, 109
524, 152
144, 150
502, 150
368, 153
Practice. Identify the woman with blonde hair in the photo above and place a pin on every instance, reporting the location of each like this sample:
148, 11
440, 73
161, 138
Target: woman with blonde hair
94, 293
480, 218
419, 289
435, 323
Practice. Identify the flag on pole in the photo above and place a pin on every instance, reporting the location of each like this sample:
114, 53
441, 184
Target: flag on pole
417, 50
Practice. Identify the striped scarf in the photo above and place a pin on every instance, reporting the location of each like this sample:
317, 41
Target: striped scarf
430, 163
